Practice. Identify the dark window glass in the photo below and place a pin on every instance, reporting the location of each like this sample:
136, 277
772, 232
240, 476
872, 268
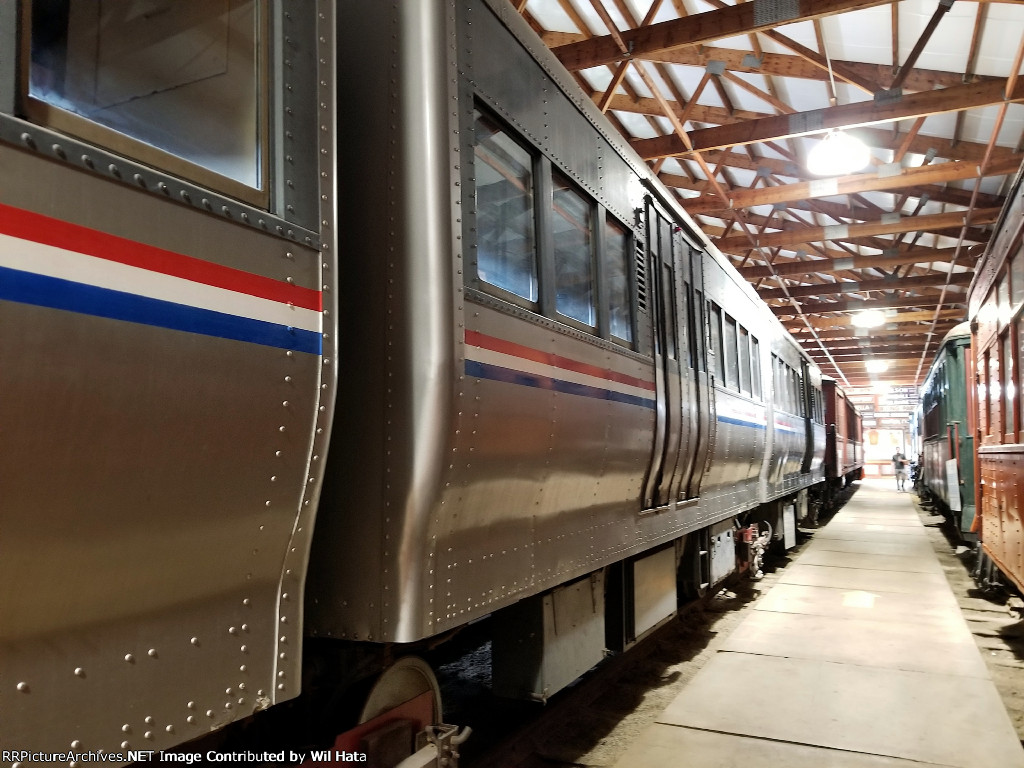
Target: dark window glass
732, 363
715, 322
574, 252
182, 78
1009, 388
1017, 278
755, 368
744, 361
619, 251
702, 341
506, 236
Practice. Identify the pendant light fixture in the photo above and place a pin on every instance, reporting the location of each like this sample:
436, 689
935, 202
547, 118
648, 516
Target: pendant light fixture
837, 153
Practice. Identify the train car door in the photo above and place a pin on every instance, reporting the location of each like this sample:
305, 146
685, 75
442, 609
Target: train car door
807, 399
669, 262
703, 400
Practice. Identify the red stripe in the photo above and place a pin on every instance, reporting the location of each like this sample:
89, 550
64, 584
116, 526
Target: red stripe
71, 237
476, 339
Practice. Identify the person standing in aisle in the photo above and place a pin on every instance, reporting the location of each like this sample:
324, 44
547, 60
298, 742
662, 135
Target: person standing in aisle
899, 466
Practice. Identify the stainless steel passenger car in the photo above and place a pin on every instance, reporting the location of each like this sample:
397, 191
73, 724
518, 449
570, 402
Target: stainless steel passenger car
549, 395
166, 241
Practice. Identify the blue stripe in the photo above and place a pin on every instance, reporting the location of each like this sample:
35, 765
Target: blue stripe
741, 422
509, 376
67, 295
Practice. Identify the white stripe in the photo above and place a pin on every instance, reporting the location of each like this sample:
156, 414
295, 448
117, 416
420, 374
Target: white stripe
490, 357
48, 260
785, 428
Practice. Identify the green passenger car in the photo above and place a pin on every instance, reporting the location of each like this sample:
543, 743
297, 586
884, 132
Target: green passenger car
947, 441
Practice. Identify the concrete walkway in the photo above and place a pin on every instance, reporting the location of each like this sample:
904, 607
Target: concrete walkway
858, 656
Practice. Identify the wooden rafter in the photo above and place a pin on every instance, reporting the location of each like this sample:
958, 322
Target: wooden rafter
842, 232
856, 305
695, 30
841, 264
911, 106
844, 185
862, 286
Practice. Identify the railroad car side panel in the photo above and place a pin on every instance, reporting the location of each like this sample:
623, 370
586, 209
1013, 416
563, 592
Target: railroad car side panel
1002, 530
996, 305
734, 362
946, 433
163, 363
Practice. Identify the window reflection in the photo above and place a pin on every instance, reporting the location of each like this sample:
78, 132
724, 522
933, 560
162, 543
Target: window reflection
182, 76
574, 252
618, 245
506, 238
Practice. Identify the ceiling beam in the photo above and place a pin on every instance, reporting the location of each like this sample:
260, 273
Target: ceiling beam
842, 327
778, 127
862, 286
831, 328
853, 346
796, 224
882, 180
699, 29
826, 207
909, 352
940, 10
898, 361
856, 305
913, 256
935, 193
880, 138
783, 64
845, 231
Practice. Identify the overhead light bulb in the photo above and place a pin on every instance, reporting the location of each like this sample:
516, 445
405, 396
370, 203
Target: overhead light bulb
837, 154
869, 318
877, 366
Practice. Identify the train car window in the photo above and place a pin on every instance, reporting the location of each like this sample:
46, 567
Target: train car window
686, 330
1019, 370
618, 252
1009, 388
1003, 299
684, 314
794, 392
776, 380
983, 409
1017, 279
755, 372
732, 362
668, 310
995, 395
665, 235
787, 385
506, 231
573, 224
715, 328
181, 85
701, 332
744, 361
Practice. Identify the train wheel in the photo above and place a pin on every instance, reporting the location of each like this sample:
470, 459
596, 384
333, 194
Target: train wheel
402, 707
407, 679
